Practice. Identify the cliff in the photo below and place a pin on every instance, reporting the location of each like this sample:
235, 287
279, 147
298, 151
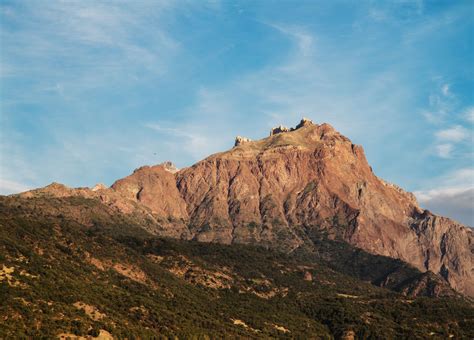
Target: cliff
283, 190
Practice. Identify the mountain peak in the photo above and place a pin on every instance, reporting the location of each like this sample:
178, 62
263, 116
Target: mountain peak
239, 140
99, 186
170, 167
280, 191
282, 129
306, 135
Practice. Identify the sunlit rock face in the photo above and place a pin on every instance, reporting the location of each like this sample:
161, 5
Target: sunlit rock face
281, 190
241, 140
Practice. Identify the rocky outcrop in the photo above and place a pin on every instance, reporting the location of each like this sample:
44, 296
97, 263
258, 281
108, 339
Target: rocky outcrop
304, 122
99, 187
154, 187
281, 129
446, 248
282, 190
241, 140
278, 129
170, 167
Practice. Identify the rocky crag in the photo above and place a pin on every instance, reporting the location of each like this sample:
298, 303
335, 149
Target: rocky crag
282, 190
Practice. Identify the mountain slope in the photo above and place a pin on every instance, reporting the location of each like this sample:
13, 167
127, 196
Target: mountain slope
278, 191
75, 266
274, 190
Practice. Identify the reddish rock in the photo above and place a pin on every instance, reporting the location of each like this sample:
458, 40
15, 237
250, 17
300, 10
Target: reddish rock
279, 190
154, 187
308, 276
313, 178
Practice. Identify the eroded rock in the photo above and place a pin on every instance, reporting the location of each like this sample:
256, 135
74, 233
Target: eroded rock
241, 140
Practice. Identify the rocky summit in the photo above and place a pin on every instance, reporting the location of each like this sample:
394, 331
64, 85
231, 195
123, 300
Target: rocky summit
281, 191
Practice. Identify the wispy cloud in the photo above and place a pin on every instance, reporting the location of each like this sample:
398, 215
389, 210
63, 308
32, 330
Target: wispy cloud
93, 41
453, 197
444, 108
186, 138
11, 187
206, 126
62, 64
453, 134
303, 40
456, 203
451, 138
444, 150
442, 103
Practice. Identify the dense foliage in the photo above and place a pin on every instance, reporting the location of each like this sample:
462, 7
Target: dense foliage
143, 286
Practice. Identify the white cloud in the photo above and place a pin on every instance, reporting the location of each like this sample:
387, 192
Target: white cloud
443, 106
462, 178
457, 203
442, 102
195, 140
444, 150
69, 56
453, 197
207, 125
95, 40
448, 139
11, 187
453, 134
303, 40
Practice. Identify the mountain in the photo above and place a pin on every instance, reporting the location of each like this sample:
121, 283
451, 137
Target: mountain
288, 236
279, 191
75, 267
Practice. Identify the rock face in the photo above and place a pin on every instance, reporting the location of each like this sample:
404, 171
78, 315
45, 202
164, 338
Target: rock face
446, 248
278, 129
282, 129
98, 187
170, 167
241, 140
304, 122
282, 190
154, 187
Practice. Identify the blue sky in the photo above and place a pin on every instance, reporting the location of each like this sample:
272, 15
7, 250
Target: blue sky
91, 90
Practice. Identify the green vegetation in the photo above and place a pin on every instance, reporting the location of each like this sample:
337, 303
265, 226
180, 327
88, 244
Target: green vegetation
145, 286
